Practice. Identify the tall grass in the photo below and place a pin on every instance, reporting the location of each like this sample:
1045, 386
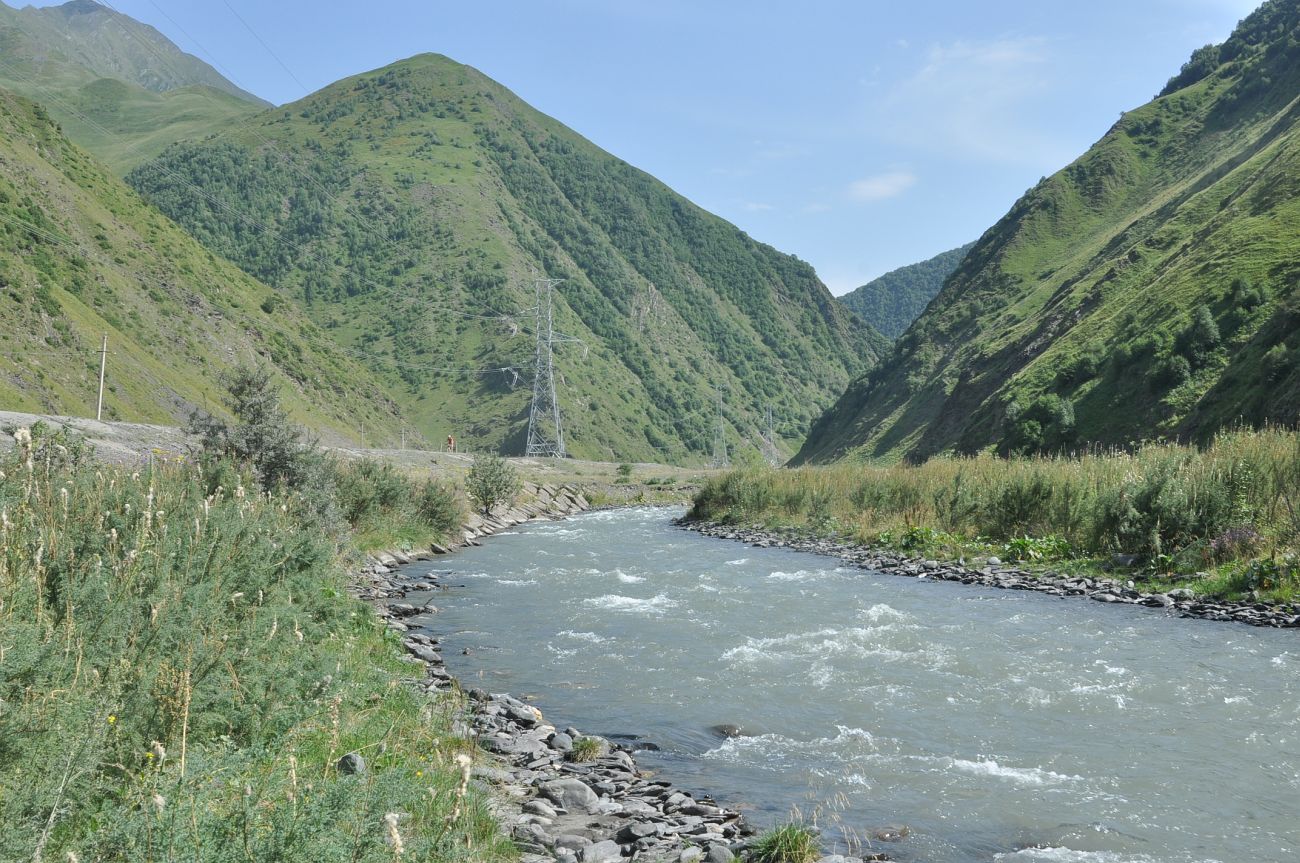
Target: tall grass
1178, 508
181, 669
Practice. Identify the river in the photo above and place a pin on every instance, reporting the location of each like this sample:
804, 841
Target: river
995, 725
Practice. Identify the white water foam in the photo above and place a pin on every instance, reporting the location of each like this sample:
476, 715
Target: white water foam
628, 579
800, 575
516, 582
849, 746
1019, 775
582, 636
880, 611
1060, 854
740, 561
615, 602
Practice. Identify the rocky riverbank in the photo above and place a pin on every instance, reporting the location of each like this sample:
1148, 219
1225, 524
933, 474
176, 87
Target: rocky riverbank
1181, 603
560, 794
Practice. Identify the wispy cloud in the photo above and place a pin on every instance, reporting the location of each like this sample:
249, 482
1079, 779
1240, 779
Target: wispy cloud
970, 100
879, 187
758, 207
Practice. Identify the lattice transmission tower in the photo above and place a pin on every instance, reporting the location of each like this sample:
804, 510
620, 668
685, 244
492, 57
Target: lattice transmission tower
545, 428
720, 458
770, 452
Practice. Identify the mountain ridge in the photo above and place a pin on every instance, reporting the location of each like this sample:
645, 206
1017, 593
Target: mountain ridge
1148, 289
891, 302
82, 256
468, 194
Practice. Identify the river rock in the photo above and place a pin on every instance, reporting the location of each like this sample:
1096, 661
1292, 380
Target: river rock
572, 794
636, 830
540, 807
560, 742
719, 853
605, 851
727, 730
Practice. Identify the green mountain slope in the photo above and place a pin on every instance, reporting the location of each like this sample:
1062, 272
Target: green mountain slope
118, 87
81, 255
891, 302
409, 209
1149, 289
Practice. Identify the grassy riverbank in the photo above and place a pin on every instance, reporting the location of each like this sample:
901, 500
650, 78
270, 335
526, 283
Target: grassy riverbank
181, 671
1223, 520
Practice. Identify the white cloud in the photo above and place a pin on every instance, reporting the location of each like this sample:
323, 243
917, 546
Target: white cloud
758, 207
881, 186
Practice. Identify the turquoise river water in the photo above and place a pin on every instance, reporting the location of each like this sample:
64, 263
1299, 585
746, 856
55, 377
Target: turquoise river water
996, 725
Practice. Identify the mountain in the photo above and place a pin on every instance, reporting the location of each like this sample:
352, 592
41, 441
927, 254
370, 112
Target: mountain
81, 255
891, 302
1147, 290
120, 88
409, 209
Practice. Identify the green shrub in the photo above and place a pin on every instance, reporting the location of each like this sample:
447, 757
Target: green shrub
183, 669
791, 843
491, 481
586, 749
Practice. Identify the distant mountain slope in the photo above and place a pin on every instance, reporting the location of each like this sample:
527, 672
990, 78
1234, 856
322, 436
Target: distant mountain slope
409, 209
108, 44
1148, 289
891, 302
118, 87
81, 255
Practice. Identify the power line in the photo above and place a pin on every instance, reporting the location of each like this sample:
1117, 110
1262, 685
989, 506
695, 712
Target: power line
262, 43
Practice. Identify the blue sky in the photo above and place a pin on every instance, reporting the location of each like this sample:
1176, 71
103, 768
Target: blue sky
860, 136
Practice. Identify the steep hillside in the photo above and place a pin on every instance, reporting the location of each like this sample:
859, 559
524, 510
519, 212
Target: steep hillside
891, 302
81, 255
1149, 289
118, 87
409, 210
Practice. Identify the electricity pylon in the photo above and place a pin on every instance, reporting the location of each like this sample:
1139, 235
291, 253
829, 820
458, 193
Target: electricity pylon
720, 459
770, 451
545, 429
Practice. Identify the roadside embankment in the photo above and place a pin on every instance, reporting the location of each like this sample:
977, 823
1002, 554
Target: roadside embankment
992, 573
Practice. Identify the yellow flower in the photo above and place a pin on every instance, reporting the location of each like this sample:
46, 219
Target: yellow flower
111, 719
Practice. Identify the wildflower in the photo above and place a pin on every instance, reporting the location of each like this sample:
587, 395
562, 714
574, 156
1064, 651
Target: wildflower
157, 750
23, 437
112, 720
394, 838
159, 802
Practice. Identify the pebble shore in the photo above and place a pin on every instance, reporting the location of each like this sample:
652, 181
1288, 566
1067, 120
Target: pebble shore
1178, 602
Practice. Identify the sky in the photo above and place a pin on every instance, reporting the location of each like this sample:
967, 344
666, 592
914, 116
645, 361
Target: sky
860, 136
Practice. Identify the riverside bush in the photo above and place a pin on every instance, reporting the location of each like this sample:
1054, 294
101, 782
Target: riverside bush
1238, 496
180, 671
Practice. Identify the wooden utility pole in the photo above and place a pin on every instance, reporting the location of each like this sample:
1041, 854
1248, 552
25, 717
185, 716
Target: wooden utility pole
103, 359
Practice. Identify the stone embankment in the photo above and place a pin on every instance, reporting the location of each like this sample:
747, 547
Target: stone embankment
560, 794
993, 573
